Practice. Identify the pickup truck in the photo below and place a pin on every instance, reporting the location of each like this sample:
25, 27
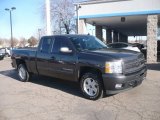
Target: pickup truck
85, 59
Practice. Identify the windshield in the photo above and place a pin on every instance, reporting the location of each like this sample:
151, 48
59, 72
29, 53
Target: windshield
87, 43
2, 50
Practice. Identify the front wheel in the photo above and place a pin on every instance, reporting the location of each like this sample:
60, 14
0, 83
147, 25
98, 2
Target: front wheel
91, 86
23, 74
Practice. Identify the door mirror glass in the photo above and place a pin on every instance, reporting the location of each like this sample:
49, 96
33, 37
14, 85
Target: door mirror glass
65, 50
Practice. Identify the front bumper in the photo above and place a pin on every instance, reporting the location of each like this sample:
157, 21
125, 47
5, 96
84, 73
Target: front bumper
127, 81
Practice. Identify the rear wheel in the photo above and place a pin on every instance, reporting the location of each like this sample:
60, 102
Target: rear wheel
23, 74
91, 86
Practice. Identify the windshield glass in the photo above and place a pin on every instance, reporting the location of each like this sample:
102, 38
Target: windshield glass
2, 50
87, 43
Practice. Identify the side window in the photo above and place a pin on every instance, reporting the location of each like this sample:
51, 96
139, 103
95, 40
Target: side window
56, 45
46, 44
60, 42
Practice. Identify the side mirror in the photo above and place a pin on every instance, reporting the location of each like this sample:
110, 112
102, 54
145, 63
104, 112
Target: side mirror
65, 50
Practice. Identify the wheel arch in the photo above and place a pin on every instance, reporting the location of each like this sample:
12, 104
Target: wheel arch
85, 69
20, 61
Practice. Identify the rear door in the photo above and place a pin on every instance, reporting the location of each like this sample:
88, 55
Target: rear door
62, 65
43, 55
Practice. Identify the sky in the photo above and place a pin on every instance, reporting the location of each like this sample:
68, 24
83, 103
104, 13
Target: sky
26, 19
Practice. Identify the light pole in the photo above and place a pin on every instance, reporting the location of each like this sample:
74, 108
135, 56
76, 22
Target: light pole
77, 8
10, 11
48, 16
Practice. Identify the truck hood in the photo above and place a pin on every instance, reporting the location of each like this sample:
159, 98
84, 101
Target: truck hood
114, 53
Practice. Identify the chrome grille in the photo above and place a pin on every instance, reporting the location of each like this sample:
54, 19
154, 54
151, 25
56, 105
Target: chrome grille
134, 65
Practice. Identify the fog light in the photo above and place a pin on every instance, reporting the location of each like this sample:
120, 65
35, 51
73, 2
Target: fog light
118, 86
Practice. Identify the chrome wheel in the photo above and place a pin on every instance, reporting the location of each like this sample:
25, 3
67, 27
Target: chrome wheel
90, 86
22, 73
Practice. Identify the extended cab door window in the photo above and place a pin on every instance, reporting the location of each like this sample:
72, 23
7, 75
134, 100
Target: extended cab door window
46, 45
43, 55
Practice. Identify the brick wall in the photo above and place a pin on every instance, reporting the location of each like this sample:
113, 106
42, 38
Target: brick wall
152, 28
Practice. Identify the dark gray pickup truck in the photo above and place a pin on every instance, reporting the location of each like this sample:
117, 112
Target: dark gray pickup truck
84, 59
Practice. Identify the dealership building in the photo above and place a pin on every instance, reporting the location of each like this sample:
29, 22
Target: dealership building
121, 19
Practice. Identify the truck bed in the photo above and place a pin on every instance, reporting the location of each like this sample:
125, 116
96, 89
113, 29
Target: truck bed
29, 57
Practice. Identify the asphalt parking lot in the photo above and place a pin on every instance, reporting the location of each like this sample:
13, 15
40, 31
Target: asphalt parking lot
52, 99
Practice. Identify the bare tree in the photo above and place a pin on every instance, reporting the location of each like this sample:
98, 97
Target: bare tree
14, 42
22, 42
32, 41
1, 42
62, 13
7, 42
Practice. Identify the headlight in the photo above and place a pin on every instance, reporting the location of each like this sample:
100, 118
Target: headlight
113, 67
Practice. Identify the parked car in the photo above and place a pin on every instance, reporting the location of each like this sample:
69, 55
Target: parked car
84, 59
6, 51
1, 55
122, 45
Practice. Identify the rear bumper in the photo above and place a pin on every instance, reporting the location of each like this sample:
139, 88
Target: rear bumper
127, 81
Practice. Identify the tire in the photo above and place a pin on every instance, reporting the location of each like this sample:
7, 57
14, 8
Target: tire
23, 74
91, 86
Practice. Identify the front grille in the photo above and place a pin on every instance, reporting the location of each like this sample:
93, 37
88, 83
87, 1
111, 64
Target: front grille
134, 65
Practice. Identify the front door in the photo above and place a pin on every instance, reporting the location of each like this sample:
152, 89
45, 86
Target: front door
62, 65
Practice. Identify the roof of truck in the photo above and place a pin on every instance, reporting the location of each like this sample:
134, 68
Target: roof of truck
68, 35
